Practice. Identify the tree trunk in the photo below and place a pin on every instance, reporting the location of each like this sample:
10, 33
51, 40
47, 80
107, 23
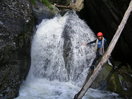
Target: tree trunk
62, 6
107, 54
77, 5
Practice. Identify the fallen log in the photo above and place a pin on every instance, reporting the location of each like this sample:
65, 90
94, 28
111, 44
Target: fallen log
77, 5
62, 6
107, 54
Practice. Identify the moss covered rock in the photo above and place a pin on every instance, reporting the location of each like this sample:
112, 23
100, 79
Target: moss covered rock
101, 79
121, 81
117, 80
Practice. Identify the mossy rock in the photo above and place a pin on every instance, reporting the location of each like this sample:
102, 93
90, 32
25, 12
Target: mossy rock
121, 81
101, 79
115, 80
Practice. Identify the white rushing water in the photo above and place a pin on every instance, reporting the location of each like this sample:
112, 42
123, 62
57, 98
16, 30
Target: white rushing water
59, 62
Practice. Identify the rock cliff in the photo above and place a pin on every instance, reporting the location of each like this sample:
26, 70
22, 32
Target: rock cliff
15, 33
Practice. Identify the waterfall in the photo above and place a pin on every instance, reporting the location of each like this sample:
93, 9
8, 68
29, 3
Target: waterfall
57, 52
59, 62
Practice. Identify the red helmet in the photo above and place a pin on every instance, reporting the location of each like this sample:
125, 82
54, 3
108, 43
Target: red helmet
99, 34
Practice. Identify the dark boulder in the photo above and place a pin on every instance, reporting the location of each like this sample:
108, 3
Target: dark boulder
116, 80
15, 33
120, 81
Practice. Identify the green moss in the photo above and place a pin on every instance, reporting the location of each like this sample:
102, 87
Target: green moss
68, 2
107, 68
33, 1
47, 3
120, 82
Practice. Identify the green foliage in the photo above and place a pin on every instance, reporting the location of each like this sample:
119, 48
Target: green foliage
33, 1
47, 3
68, 2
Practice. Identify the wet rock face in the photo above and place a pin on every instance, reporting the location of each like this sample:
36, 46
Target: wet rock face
15, 33
105, 16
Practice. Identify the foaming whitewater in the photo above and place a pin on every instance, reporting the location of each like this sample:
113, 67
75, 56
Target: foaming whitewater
59, 62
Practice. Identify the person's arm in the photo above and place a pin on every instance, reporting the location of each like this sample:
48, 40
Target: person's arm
91, 42
85, 44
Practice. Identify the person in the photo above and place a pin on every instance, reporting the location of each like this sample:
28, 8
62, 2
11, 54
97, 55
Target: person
100, 47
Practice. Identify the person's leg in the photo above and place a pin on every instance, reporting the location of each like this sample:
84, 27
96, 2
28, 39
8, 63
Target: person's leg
92, 67
93, 64
95, 61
